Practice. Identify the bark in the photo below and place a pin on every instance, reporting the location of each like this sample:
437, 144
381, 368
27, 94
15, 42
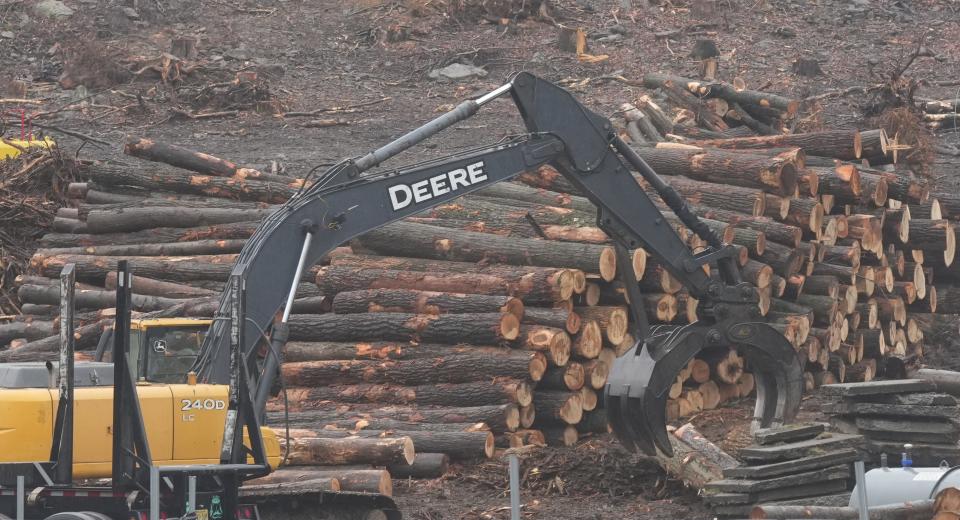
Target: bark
845, 255
892, 309
352, 480
693, 438
91, 299
675, 90
456, 368
933, 236
777, 174
844, 273
785, 261
303, 487
612, 320
425, 465
570, 377
838, 144
497, 390
754, 241
554, 343
918, 510
688, 465
180, 269
141, 218
807, 214
30, 330
457, 445
539, 287
720, 196
158, 235
235, 188
520, 193
557, 318
48, 349
179, 157
499, 214
423, 302
480, 329
169, 201
561, 435
772, 230
150, 287
757, 273
547, 177
558, 407
595, 373
410, 239
328, 351
499, 418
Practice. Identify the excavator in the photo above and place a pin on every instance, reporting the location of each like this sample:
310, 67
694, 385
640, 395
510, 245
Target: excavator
187, 436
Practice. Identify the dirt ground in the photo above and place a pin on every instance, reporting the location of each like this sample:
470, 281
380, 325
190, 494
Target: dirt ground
376, 56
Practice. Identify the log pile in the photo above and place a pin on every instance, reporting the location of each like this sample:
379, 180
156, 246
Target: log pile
889, 414
791, 462
498, 316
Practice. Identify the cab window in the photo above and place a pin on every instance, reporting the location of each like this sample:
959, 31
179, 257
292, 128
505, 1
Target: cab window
170, 353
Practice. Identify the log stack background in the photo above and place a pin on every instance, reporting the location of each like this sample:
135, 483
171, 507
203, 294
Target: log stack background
493, 321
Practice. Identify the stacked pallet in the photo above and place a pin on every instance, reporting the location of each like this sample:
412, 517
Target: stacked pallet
890, 414
797, 461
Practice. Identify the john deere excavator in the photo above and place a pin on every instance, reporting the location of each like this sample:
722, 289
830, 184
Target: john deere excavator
183, 443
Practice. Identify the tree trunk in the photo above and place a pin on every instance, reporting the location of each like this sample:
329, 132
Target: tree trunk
721, 196
839, 144
233, 187
570, 377
456, 368
521, 193
613, 321
424, 302
558, 407
946, 380
418, 240
425, 465
457, 445
497, 390
480, 329
201, 247
30, 330
141, 218
352, 480
499, 418
316, 451
556, 318
541, 287
159, 235
554, 343
773, 231
776, 174
179, 269
90, 299
689, 465
933, 236
47, 349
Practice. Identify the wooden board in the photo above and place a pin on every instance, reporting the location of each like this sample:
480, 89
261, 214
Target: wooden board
789, 433
830, 458
897, 410
800, 449
879, 387
920, 399
798, 479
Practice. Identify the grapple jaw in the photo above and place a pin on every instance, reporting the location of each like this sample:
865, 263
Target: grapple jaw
640, 380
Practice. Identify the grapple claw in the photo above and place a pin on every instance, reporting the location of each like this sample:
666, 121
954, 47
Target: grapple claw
640, 380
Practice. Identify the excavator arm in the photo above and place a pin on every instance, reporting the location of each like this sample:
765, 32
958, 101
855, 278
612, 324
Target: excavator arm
345, 202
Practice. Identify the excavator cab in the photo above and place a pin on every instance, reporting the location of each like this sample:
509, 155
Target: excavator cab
162, 350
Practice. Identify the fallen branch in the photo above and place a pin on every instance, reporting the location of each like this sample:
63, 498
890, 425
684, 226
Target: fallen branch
343, 109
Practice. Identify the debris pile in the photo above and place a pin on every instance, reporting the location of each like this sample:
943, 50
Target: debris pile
890, 414
792, 462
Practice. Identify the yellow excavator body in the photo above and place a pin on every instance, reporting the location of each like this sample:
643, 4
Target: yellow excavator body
184, 422
10, 148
